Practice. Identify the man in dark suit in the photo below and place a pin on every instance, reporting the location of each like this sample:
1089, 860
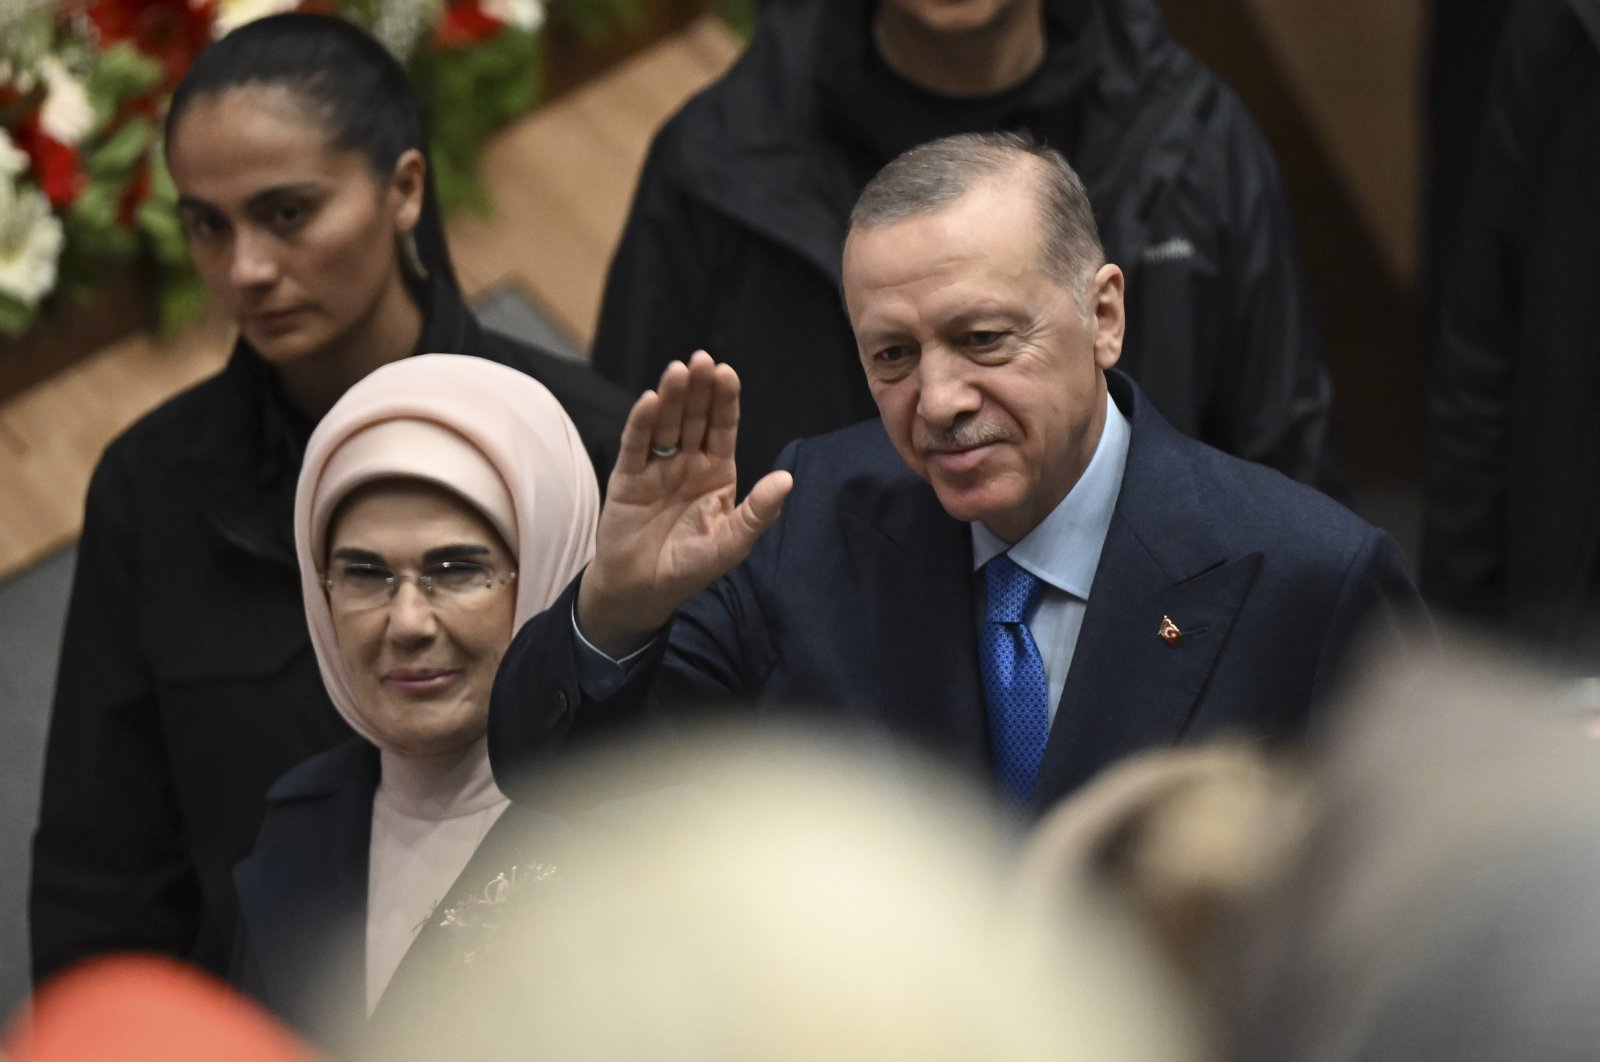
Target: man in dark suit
1167, 591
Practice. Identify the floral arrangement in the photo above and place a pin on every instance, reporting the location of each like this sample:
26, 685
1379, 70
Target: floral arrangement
84, 86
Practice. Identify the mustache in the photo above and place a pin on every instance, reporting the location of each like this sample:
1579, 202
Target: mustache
960, 436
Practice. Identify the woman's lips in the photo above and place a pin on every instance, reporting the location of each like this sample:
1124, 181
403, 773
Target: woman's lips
273, 321
420, 679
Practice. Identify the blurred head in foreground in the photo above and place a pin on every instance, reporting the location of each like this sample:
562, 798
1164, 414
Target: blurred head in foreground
1179, 836
1442, 902
790, 903
134, 1008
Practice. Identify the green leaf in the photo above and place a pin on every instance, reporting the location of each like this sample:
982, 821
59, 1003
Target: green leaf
95, 208
15, 315
114, 158
469, 94
25, 39
91, 225
163, 231
122, 73
595, 19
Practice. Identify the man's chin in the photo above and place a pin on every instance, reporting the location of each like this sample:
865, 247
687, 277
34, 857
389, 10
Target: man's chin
968, 504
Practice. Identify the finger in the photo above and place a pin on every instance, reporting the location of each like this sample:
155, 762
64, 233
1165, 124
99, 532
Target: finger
722, 429
634, 449
673, 390
697, 403
756, 513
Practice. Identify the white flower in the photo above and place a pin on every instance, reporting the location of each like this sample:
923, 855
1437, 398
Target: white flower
231, 14
67, 114
526, 15
13, 160
401, 23
30, 243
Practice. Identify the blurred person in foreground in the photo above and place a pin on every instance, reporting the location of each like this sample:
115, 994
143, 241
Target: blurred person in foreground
146, 1008
733, 242
1020, 566
443, 500
187, 683
785, 903
1418, 886
1439, 902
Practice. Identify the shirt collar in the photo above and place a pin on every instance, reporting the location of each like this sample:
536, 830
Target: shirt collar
1064, 550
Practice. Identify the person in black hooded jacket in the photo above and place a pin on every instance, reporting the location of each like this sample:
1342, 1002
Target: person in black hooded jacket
733, 243
1511, 473
187, 682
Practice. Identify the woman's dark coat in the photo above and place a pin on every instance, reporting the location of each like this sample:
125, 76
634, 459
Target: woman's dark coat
301, 944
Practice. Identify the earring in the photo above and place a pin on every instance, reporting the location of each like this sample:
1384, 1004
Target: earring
410, 257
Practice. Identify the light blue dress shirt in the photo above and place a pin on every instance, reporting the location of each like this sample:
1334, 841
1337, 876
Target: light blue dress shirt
1064, 551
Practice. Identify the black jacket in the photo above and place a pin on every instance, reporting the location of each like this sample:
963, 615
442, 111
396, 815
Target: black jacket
1511, 528
301, 945
740, 216
187, 682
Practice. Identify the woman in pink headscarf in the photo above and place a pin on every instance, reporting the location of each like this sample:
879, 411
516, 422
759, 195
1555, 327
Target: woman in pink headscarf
442, 502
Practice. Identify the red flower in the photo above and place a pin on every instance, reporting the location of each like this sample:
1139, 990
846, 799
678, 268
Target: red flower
464, 22
134, 193
170, 31
55, 165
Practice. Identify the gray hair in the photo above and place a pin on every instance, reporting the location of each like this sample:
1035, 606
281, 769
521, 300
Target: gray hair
934, 175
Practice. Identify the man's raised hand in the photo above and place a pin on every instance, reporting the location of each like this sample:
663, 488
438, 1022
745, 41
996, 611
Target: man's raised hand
669, 526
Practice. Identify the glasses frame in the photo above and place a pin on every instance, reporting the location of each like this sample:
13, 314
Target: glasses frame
423, 581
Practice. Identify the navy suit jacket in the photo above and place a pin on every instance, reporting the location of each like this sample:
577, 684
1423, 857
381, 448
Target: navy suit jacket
859, 600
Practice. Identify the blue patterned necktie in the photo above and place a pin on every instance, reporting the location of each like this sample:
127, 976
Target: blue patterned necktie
1013, 677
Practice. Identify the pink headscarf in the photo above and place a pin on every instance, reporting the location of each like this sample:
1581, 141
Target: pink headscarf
484, 431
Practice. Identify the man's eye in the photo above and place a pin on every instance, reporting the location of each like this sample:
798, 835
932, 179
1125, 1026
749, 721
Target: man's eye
456, 574
890, 355
984, 340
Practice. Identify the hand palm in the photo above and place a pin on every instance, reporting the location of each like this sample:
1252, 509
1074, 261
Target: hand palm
670, 526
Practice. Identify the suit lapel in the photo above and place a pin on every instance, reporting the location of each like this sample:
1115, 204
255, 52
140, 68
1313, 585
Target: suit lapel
1129, 687
912, 566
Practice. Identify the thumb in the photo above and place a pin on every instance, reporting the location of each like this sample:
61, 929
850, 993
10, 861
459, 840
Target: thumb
758, 510
765, 500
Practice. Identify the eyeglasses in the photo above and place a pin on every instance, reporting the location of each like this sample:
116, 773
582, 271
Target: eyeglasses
354, 586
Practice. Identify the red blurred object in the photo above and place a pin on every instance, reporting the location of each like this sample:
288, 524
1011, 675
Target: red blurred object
55, 165
134, 1008
172, 32
134, 193
464, 22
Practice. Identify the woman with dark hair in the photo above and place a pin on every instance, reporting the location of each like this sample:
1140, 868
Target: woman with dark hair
187, 680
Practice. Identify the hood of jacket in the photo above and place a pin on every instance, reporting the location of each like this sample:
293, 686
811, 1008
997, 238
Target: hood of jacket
785, 141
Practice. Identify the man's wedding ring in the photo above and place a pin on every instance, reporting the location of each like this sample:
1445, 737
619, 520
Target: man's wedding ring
657, 450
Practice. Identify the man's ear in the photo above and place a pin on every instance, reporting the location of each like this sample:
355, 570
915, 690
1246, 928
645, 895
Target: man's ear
1110, 316
405, 189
